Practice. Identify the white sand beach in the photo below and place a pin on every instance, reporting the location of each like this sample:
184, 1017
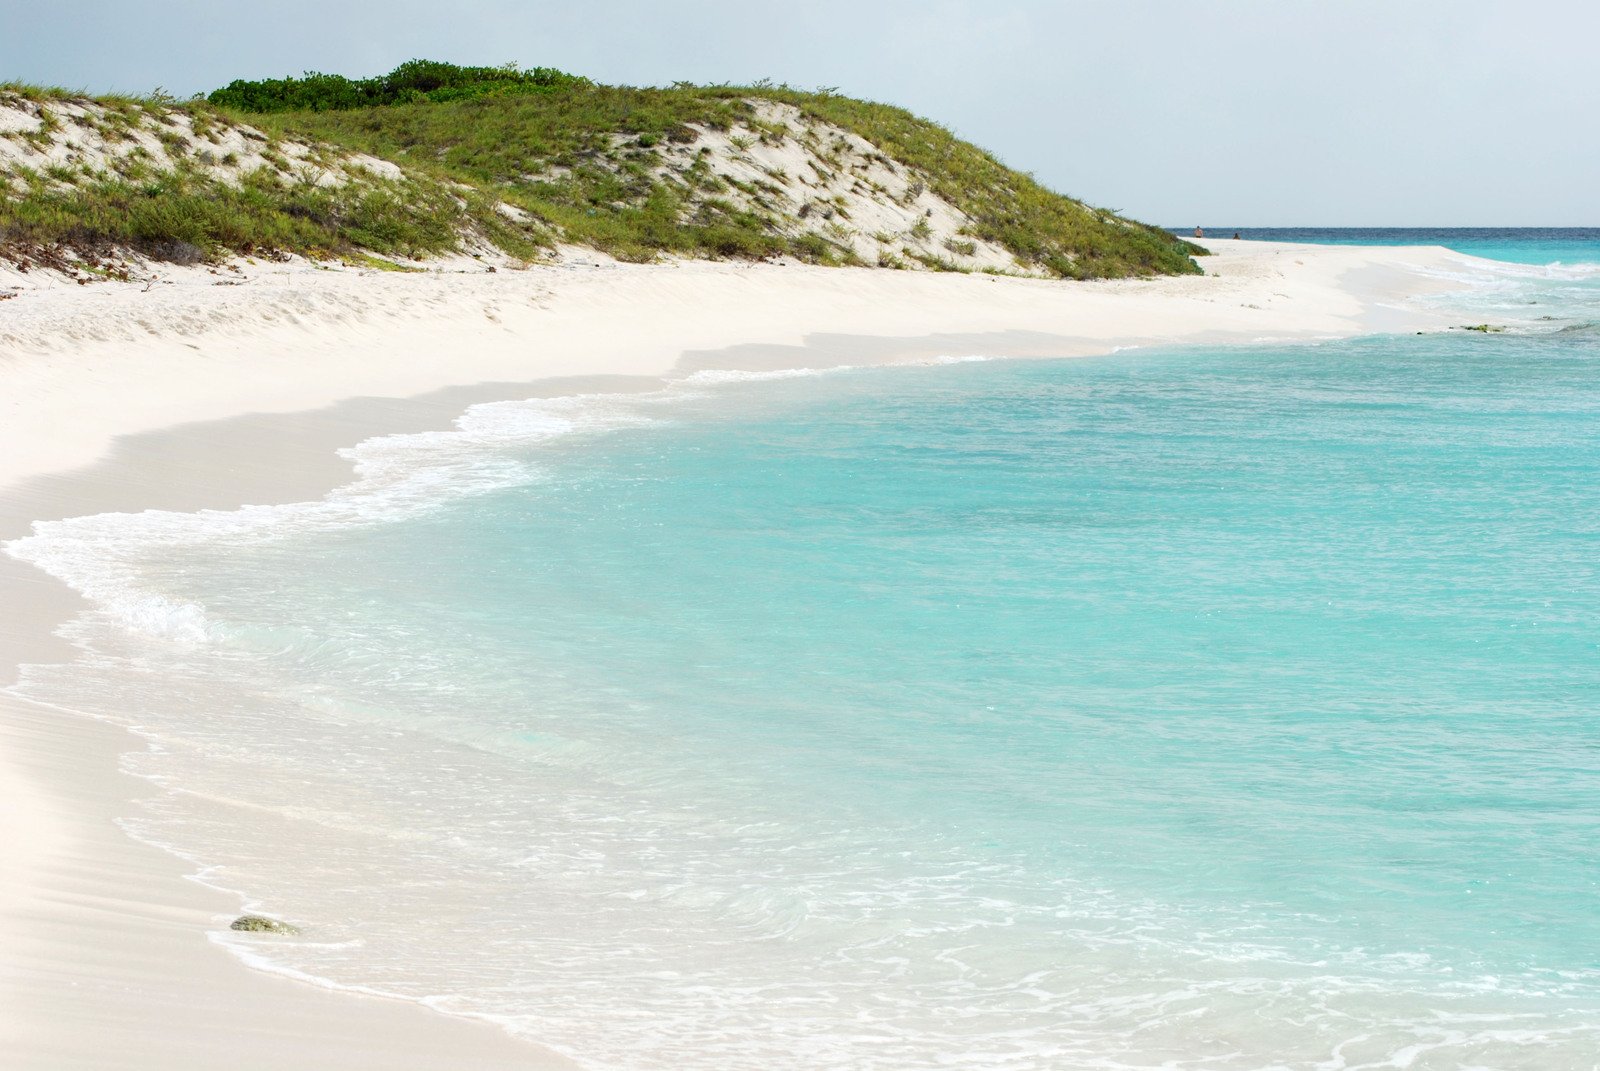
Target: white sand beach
208, 388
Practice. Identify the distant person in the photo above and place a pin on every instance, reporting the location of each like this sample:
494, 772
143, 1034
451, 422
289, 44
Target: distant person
1198, 233
1236, 236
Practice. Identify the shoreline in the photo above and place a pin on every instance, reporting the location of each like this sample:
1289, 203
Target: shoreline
126, 358
185, 396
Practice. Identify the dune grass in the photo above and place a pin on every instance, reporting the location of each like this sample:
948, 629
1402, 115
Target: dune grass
168, 215
579, 161
526, 159
1041, 227
186, 215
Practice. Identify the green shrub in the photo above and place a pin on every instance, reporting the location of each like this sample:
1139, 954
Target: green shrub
416, 81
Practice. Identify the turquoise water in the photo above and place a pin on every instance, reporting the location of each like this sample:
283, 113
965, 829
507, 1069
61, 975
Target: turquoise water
1516, 245
1203, 708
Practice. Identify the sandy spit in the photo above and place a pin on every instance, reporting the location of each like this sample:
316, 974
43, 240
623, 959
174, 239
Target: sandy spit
212, 388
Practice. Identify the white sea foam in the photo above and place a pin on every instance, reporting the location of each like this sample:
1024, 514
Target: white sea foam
737, 375
1480, 272
712, 376
397, 476
954, 358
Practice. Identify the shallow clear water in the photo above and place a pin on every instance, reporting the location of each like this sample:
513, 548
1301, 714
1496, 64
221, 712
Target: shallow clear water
1209, 708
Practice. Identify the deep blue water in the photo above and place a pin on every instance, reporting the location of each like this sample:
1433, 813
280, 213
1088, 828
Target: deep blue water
1203, 708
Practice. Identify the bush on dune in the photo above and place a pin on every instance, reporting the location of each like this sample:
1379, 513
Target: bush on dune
417, 81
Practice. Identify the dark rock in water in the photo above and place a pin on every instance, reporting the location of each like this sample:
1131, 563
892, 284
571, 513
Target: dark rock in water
1487, 329
262, 924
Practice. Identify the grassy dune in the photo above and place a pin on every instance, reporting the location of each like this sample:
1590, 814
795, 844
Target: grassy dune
433, 159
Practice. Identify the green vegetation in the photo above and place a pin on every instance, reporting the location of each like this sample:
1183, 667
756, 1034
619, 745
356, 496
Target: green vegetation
523, 159
262, 924
416, 82
580, 162
1045, 230
182, 216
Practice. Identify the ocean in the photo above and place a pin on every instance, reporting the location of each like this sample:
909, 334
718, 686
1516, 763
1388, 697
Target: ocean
1201, 708
1558, 246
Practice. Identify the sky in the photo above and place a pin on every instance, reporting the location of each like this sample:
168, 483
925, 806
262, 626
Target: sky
1223, 113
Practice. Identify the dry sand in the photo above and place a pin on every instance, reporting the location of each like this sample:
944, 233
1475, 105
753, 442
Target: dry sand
187, 393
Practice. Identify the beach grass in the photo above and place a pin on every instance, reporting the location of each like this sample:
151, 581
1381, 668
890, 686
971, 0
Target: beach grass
183, 215
522, 161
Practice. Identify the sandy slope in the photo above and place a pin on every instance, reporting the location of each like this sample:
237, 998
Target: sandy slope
115, 396
84, 364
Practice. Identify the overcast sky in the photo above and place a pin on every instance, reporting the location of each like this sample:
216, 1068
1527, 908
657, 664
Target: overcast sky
1221, 112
